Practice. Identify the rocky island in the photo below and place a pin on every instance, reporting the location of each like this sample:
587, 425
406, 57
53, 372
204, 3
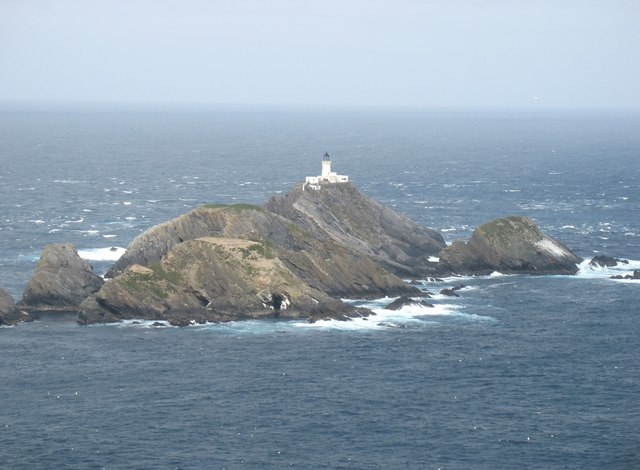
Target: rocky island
293, 257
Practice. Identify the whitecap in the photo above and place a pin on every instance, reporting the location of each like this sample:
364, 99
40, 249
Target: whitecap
409, 316
589, 271
434, 259
102, 254
109, 236
144, 324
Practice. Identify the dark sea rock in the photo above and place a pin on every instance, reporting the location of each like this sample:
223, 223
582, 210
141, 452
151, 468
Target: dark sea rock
606, 261
633, 277
449, 293
9, 313
61, 280
509, 245
407, 301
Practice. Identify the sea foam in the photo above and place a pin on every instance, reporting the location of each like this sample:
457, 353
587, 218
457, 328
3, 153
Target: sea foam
587, 270
102, 254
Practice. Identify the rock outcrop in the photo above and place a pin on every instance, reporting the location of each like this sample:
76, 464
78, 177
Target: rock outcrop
635, 276
338, 270
509, 245
9, 313
208, 280
349, 218
293, 258
61, 280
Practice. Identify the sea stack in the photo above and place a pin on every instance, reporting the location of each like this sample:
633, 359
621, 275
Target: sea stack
510, 245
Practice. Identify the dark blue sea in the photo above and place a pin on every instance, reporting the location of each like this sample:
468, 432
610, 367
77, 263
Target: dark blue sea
517, 372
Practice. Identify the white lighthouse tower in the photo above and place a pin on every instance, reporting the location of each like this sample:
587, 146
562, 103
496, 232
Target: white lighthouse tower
326, 165
327, 176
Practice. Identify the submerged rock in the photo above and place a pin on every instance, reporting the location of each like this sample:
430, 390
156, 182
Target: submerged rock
633, 277
449, 293
9, 313
407, 301
606, 261
509, 245
61, 280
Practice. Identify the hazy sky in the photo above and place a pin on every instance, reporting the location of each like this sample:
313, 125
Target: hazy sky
543, 53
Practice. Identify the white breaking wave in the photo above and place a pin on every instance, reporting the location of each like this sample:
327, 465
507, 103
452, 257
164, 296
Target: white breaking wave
587, 270
411, 316
408, 316
102, 254
144, 324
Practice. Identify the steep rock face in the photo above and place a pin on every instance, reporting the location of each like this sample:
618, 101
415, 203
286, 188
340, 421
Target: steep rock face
9, 314
317, 259
61, 280
211, 279
210, 220
348, 217
509, 245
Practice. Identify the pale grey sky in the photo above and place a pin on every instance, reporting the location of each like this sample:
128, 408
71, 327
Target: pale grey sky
516, 53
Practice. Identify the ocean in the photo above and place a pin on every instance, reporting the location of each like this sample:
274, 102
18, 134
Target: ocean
517, 372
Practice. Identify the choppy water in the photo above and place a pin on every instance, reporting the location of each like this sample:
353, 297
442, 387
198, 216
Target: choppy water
519, 371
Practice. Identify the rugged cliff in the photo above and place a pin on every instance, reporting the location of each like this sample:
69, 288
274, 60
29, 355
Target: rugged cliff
349, 218
322, 262
212, 279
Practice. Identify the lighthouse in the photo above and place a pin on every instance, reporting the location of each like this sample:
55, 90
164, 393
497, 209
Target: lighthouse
326, 176
326, 165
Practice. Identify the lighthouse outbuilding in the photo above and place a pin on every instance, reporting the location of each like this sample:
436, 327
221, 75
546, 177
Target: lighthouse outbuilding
327, 176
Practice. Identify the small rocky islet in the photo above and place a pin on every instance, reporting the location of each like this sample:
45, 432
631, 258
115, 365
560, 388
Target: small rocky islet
293, 257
